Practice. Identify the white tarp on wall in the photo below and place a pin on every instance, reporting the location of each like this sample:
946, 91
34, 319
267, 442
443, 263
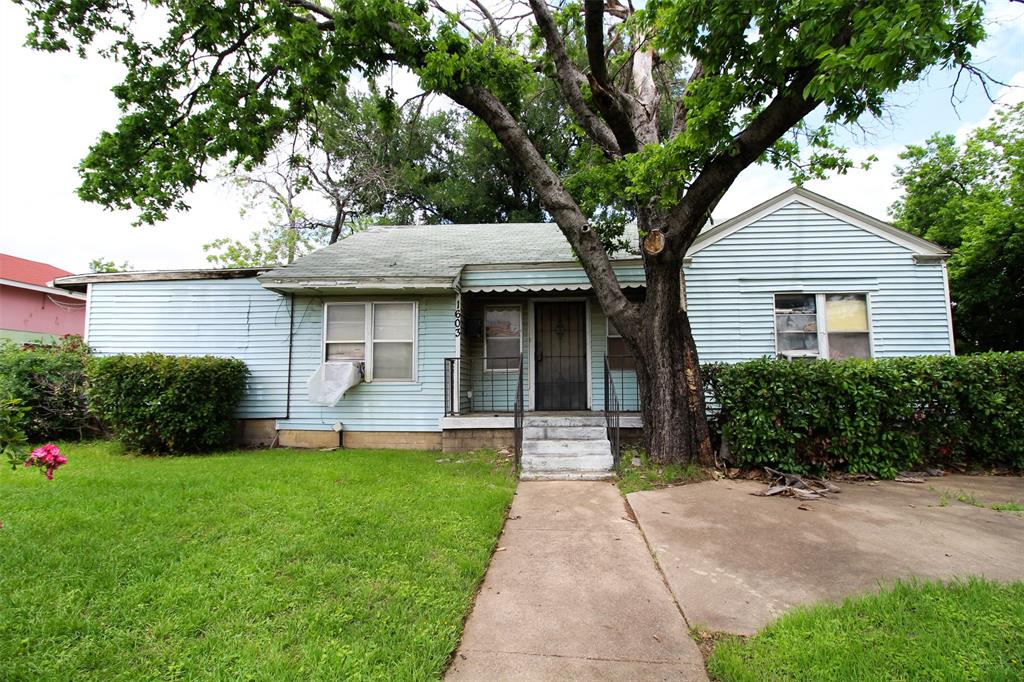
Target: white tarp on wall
331, 381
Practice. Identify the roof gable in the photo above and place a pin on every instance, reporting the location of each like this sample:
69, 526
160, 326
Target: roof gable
846, 214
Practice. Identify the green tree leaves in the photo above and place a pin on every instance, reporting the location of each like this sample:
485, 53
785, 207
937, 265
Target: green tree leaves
970, 199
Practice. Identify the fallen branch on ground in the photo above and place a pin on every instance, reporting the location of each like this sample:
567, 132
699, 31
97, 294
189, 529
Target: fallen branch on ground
792, 485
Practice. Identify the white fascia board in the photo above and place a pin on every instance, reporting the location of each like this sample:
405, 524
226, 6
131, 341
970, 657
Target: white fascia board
913, 243
45, 290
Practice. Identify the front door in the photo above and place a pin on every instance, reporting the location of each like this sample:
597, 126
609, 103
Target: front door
561, 355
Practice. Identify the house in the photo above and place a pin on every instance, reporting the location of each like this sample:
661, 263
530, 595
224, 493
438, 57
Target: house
33, 310
453, 325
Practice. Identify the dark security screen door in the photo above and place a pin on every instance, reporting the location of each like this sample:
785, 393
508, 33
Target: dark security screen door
561, 354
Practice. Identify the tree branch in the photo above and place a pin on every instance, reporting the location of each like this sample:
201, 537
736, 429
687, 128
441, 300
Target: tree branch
680, 112
568, 79
555, 199
609, 99
782, 113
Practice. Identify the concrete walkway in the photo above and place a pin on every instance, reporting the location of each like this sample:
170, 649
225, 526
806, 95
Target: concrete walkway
573, 593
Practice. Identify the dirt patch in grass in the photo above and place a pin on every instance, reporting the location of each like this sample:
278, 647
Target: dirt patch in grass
637, 472
708, 640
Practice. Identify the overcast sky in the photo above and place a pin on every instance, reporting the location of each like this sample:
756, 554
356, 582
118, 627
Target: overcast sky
55, 105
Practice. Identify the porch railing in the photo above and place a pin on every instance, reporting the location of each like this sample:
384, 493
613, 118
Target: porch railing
518, 420
477, 384
611, 412
620, 373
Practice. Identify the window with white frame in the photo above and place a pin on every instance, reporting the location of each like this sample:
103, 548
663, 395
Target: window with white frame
503, 337
383, 335
619, 357
822, 325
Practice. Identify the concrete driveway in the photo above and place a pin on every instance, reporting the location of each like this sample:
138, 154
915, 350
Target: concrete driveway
735, 561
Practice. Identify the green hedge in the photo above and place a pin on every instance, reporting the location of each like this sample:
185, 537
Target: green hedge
49, 381
167, 404
873, 416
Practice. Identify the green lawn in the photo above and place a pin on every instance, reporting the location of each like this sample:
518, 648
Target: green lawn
967, 630
265, 565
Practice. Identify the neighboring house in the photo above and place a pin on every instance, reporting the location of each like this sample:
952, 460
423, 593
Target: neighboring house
33, 310
449, 319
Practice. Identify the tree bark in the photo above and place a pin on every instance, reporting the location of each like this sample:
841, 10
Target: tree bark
668, 371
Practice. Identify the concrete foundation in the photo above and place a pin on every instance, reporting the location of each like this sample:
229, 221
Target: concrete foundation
464, 440
393, 440
298, 438
256, 432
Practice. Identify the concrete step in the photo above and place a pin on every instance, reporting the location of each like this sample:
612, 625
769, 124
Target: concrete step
596, 462
564, 432
567, 448
568, 420
566, 475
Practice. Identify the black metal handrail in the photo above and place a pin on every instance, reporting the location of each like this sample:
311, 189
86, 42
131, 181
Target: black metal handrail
622, 370
517, 420
611, 413
478, 384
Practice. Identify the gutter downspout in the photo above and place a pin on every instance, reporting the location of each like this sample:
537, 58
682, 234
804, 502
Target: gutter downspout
291, 334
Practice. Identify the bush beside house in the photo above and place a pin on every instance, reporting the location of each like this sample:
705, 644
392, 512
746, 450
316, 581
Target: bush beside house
167, 404
49, 382
874, 416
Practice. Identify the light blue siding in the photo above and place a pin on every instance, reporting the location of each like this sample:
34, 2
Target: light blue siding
376, 406
730, 285
227, 317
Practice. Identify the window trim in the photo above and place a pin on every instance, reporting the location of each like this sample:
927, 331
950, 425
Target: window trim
519, 307
608, 335
821, 322
369, 340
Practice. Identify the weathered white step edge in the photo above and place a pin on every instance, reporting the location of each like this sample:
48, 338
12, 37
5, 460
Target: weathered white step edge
567, 421
566, 447
602, 475
565, 433
584, 463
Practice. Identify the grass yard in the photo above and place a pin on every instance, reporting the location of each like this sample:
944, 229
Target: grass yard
966, 630
265, 565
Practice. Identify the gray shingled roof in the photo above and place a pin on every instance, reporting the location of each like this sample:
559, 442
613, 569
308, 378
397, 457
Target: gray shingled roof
432, 251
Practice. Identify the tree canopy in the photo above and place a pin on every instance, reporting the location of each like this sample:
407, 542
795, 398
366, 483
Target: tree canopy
969, 198
671, 101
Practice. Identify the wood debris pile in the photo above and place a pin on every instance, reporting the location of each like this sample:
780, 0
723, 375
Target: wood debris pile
800, 487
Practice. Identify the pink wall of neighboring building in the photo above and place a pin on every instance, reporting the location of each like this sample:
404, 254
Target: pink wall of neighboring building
35, 311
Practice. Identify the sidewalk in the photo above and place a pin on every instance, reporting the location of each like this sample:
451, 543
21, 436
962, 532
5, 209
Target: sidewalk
572, 593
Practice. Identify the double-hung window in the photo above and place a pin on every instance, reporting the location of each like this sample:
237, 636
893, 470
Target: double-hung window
831, 326
382, 335
503, 337
619, 357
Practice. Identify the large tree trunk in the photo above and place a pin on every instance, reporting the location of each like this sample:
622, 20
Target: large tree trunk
668, 372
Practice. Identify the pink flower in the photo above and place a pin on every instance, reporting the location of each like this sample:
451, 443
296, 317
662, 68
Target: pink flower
46, 457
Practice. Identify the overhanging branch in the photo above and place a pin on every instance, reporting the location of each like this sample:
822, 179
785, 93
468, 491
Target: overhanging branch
554, 197
568, 78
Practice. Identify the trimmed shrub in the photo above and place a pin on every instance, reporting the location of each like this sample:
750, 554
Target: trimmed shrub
873, 416
49, 381
167, 404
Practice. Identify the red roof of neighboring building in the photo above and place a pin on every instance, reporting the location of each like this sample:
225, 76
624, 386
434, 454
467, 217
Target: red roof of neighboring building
28, 271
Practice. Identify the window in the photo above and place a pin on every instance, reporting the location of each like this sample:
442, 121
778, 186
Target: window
503, 337
846, 320
383, 335
822, 325
619, 356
